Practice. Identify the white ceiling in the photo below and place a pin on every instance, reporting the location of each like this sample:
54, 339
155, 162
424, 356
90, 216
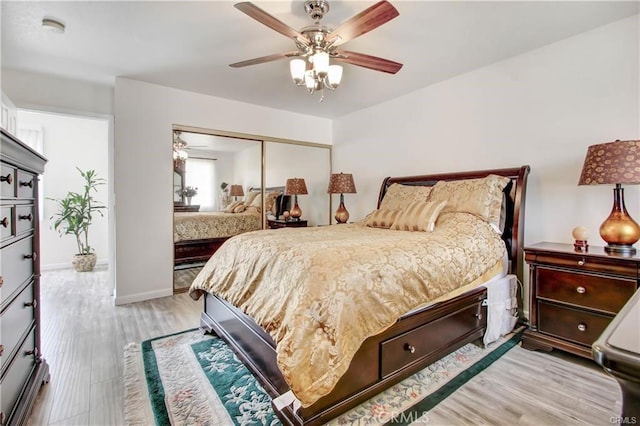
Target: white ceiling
188, 45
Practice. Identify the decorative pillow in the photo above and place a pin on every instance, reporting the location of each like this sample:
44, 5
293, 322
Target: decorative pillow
232, 206
419, 216
399, 196
382, 218
251, 195
480, 197
270, 201
240, 208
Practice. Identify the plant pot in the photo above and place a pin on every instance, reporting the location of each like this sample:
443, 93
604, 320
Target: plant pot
84, 262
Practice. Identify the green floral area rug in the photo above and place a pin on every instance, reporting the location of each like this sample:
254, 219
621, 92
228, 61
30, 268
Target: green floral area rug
193, 379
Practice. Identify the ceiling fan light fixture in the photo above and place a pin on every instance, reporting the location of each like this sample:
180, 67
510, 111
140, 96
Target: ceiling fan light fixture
310, 81
320, 62
334, 76
298, 68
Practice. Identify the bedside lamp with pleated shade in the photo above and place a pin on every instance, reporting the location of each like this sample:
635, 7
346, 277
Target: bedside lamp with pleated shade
236, 191
615, 163
341, 183
295, 187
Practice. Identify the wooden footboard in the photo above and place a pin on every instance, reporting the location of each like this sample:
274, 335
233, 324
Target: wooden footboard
413, 343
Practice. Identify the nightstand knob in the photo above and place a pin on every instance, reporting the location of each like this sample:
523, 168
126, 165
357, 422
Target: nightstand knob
580, 262
581, 290
582, 327
409, 347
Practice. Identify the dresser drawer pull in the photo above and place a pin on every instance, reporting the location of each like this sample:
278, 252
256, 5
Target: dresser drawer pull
581, 290
1, 281
1, 350
28, 217
33, 303
409, 347
479, 316
28, 183
8, 178
4, 222
581, 262
33, 352
582, 327
33, 256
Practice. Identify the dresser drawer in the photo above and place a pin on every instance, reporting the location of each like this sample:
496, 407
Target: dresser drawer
15, 322
587, 263
6, 222
402, 351
16, 268
16, 377
25, 216
26, 184
602, 293
8, 181
571, 324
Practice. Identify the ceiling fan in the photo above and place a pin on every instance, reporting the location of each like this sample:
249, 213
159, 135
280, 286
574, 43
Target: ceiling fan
317, 43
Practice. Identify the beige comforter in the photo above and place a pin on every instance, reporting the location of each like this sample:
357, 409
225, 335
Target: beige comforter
320, 292
194, 226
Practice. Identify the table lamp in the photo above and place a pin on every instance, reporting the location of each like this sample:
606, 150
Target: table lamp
615, 163
341, 183
236, 191
295, 187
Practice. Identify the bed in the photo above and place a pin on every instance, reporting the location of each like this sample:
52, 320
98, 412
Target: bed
413, 340
197, 235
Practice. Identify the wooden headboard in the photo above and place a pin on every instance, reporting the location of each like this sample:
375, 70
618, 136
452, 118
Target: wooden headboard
515, 191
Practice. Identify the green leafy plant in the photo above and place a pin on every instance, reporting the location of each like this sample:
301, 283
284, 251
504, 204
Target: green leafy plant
188, 191
76, 211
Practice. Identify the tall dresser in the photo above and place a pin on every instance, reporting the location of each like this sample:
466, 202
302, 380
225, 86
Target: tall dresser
23, 369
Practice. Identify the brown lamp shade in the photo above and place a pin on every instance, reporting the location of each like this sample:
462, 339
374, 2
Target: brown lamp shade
611, 163
295, 186
615, 163
236, 191
341, 183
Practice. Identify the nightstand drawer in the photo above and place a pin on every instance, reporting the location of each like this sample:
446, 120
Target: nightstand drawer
586, 263
571, 324
606, 294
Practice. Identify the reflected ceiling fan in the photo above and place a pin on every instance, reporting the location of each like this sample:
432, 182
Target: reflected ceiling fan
318, 44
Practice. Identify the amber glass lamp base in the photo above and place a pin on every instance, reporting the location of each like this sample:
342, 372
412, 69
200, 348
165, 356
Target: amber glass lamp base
619, 230
342, 215
295, 212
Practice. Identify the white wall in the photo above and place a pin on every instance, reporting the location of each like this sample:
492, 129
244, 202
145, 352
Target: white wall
543, 108
70, 142
143, 171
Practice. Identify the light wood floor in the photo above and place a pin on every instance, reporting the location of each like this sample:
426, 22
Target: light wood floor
84, 336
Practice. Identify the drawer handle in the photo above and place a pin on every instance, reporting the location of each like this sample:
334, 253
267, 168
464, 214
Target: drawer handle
1, 282
581, 290
33, 303
582, 327
28, 217
479, 316
33, 352
33, 256
1, 350
8, 178
27, 183
581, 262
409, 347
5, 222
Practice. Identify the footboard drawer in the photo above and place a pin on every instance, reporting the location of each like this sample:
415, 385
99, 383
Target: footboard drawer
413, 346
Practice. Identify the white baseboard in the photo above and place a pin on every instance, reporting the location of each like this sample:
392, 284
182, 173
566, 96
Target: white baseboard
68, 265
140, 297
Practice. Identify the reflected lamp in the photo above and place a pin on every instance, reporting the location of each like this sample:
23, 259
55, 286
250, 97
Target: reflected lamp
295, 187
236, 191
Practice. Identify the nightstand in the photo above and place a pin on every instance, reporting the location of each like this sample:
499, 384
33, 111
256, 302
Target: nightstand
277, 223
575, 295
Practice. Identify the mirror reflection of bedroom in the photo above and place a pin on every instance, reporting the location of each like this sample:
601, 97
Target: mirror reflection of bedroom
217, 191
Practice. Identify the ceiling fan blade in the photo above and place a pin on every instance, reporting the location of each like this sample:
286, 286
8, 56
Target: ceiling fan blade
365, 21
368, 61
263, 59
270, 21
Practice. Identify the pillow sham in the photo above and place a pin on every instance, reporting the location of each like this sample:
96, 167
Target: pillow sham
251, 195
232, 206
399, 196
480, 197
419, 216
382, 218
240, 208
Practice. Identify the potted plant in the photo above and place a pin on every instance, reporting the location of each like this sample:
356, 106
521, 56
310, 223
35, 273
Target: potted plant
74, 217
188, 192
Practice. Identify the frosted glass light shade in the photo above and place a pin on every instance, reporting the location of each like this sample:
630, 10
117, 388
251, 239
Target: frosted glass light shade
320, 63
297, 68
335, 76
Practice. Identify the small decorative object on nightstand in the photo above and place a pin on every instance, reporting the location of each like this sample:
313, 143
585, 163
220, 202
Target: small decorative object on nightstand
341, 183
295, 187
278, 223
574, 296
615, 163
581, 235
